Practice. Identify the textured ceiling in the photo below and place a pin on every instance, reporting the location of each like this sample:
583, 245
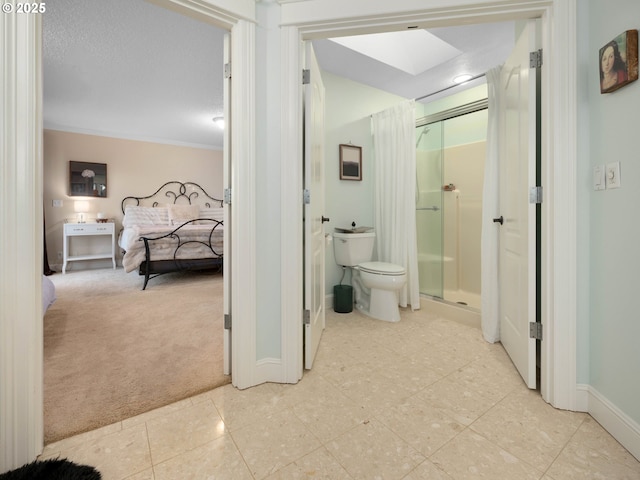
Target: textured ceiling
130, 69
127, 68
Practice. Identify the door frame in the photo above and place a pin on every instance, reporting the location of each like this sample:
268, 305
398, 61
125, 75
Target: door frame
21, 333
238, 18
559, 141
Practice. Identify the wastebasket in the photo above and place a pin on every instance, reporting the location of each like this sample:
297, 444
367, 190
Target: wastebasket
343, 298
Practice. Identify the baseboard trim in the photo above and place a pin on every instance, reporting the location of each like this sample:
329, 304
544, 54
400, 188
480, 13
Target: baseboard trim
623, 428
582, 397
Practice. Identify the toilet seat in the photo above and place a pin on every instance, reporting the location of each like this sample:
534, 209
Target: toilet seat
381, 268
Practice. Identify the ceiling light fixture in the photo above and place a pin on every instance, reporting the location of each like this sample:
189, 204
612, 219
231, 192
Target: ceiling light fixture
219, 121
462, 78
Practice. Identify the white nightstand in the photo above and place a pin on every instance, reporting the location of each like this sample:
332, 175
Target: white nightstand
86, 230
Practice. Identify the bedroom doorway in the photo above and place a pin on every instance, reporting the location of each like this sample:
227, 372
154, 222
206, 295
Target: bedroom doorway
21, 419
149, 181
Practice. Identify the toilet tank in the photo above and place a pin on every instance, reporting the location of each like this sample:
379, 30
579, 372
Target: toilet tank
352, 249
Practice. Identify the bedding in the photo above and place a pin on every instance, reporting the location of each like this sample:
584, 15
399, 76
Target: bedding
48, 293
203, 239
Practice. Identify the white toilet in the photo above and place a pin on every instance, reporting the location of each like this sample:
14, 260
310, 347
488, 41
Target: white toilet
376, 284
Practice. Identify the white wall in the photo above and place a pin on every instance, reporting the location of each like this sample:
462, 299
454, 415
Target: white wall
613, 220
349, 106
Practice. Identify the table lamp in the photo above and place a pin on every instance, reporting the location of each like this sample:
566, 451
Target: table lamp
81, 207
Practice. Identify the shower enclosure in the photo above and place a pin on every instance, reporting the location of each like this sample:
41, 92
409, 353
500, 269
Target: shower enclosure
450, 158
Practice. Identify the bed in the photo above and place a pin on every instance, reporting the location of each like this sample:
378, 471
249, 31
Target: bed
178, 227
48, 293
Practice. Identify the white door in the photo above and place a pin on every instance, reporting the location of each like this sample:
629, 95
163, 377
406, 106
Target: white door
314, 208
517, 257
226, 184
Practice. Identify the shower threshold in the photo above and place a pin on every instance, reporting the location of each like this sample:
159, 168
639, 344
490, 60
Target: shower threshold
464, 314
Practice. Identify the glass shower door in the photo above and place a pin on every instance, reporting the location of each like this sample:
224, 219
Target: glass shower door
429, 198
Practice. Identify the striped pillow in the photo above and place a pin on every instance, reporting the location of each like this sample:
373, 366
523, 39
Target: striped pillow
134, 215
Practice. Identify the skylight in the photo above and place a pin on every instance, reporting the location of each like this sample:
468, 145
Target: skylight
412, 51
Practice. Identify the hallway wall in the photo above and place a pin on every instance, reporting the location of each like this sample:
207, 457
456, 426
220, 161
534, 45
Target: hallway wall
609, 220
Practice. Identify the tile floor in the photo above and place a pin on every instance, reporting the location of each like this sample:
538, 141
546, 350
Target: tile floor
425, 398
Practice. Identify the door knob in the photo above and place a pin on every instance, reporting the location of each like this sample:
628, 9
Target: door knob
499, 220
324, 219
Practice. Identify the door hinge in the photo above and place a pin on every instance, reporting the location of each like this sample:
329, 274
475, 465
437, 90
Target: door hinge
306, 195
535, 330
227, 321
307, 317
227, 196
227, 70
306, 76
535, 59
535, 194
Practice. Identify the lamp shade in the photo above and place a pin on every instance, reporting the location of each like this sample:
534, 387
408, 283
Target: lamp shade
81, 206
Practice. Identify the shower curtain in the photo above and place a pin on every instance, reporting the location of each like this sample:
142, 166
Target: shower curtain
394, 193
489, 293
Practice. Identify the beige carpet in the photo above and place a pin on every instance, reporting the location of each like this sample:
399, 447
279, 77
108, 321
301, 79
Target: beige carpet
112, 351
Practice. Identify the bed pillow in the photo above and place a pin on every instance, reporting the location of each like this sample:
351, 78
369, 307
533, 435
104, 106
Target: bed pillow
178, 214
134, 215
213, 213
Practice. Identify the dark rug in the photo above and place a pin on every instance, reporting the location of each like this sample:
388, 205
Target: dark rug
52, 470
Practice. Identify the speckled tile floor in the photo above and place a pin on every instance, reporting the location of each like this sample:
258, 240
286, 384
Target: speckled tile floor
425, 398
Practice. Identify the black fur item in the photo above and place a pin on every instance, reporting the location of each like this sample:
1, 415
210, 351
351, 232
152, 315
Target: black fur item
54, 469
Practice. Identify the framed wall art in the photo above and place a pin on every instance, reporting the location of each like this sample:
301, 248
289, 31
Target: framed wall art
87, 179
350, 162
619, 62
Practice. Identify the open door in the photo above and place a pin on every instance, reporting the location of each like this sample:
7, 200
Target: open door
226, 185
518, 160
314, 207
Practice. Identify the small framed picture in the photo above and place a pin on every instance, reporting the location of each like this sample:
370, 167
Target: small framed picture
350, 162
619, 62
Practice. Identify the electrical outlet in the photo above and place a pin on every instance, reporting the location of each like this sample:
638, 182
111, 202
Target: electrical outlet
613, 175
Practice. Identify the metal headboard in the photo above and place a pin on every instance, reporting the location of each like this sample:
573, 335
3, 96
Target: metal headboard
175, 192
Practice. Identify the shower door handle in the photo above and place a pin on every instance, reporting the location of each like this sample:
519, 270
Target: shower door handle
499, 220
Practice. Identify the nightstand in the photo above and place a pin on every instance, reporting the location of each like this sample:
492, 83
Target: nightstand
88, 230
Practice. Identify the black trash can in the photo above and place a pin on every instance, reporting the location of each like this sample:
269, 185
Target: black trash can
343, 298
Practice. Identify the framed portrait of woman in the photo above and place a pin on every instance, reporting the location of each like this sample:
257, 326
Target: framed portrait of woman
619, 62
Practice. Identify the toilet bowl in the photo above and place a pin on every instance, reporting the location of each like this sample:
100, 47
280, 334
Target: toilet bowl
376, 284
382, 282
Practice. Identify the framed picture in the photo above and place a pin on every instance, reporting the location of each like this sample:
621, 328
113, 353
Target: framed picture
350, 162
619, 62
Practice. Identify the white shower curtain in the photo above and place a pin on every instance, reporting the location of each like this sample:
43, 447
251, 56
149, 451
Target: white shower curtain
490, 299
394, 192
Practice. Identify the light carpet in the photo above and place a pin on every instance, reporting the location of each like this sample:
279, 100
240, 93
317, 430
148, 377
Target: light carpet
113, 351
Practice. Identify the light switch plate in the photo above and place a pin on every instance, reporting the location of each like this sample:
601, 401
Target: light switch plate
613, 175
57, 203
598, 178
